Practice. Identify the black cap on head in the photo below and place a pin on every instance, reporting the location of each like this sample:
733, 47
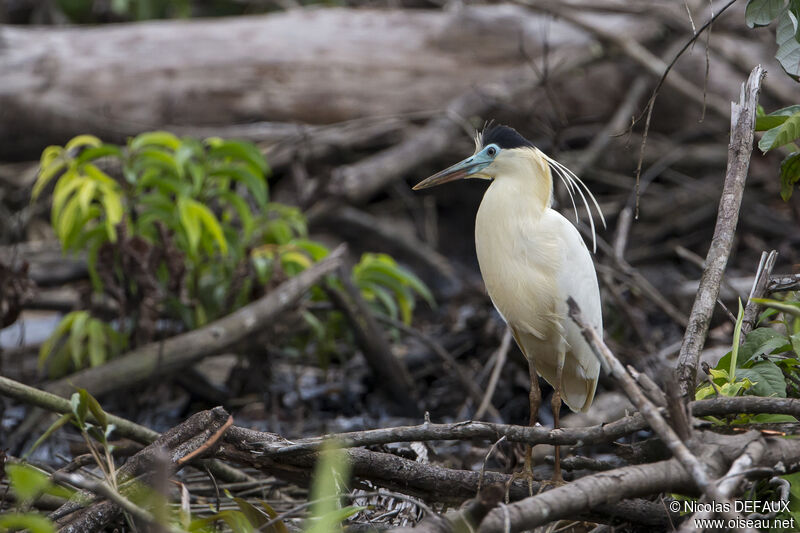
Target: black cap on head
504, 137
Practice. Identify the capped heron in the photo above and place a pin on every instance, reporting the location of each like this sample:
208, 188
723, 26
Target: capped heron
532, 259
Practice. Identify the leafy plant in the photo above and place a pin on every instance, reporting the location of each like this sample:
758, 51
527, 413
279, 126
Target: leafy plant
77, 337
389, 287
183, 229
28, 483
787, 37
782, 128
765, 364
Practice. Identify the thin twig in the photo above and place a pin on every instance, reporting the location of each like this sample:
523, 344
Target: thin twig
212, 440
765, 266
500, 361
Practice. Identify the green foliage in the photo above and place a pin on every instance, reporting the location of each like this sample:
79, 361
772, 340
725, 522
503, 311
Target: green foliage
185, 231
787, 34
32, 522
79, 339
389, 287
765, 364
89, 418
28, 483
331, 474
782, 128
248, 518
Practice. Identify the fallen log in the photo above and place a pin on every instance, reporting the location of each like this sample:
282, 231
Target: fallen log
315, 66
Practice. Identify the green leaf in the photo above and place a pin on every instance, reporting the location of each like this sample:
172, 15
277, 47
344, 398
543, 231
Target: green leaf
792, 308
210, 223
767, 378
294, 262
795, 341
253, 181
277, 527
788, 54
332, 469
55, 426
255, 516
277, 231
77, 334
242, 151
86, 195
316, 250
761, 12
190, 223
47, 171
315, 324
790, 174
760, 341
82, 141
94, 408
47, 346
776, 118
68, 184
737, 332
50, 155
80, 407
97, 341
780, 135
157, 158
768, 418
34, 523
705, 391
383, 296
105, 150
112, 203
28, 482
161, 139
243, 211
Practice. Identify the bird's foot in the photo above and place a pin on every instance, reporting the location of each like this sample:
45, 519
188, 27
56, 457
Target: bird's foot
555, 481
526, 474
523, 474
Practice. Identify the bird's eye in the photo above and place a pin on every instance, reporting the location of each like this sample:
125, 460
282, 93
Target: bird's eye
491, 151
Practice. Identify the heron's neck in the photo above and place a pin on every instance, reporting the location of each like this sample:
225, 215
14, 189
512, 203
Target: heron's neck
524, 191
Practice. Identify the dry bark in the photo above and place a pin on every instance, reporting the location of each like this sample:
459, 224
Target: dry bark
310, 66
180, 442
743, 116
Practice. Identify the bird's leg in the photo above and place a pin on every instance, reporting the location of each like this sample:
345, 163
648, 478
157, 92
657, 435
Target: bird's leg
535, 399
555, 404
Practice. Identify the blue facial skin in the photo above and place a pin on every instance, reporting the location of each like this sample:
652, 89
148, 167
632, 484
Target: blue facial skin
464, 169
479, 161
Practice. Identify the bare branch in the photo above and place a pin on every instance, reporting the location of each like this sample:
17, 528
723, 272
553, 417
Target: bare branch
687, 459
743, 116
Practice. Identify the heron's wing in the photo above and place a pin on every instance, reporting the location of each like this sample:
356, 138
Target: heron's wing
577, 279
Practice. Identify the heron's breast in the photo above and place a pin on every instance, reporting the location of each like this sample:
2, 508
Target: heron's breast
519, 261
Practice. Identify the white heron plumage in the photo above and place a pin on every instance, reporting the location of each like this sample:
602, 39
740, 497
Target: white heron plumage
532, 258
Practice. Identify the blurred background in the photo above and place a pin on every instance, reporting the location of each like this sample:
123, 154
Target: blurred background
341, 107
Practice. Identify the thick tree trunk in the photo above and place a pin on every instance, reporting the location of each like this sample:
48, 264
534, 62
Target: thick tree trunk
314, 66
